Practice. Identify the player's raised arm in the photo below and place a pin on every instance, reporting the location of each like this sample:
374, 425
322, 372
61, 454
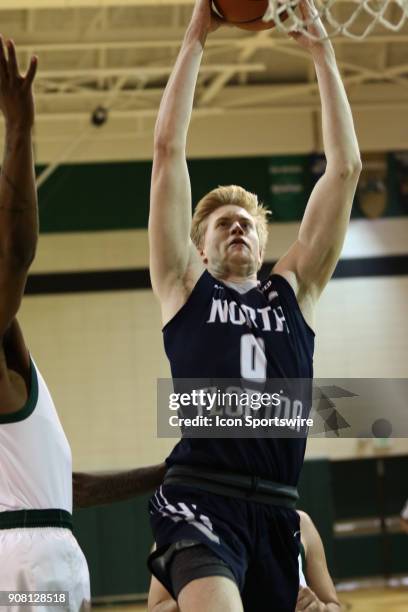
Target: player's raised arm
171, 250
313, 257
18, 199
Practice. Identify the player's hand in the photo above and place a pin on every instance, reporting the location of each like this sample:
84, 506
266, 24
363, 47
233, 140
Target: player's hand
203, 19
16, 95
315, 27
307, 601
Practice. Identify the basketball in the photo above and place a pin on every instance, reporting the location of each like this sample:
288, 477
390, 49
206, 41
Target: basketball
245, 14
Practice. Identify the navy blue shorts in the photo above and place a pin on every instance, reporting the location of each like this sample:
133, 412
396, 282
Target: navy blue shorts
258, 542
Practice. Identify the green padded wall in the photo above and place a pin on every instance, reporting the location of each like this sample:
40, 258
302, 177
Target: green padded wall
370, 488
316, 498
355, 492
358, 556
116, 540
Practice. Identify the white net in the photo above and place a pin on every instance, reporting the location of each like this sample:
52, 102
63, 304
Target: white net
354, 19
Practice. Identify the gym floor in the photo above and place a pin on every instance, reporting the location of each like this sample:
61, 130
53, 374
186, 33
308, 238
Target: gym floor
381, 599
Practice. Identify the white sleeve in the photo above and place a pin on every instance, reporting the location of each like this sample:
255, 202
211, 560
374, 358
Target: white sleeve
302, 579
404, 511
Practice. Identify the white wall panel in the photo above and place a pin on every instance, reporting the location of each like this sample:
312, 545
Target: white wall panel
129, 248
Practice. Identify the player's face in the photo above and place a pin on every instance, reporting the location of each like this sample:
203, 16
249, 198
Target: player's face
231, 240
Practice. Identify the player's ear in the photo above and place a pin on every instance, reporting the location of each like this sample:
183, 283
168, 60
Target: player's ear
203, 256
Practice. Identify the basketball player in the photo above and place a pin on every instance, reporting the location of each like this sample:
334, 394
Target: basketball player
37, 549
224, 520
317, 592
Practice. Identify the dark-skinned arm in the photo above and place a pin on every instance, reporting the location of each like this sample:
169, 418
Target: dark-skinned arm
18, 198
106, 488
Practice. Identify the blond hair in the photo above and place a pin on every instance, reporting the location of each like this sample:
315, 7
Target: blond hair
221, 196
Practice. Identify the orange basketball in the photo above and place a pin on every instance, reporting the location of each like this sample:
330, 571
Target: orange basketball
245, 14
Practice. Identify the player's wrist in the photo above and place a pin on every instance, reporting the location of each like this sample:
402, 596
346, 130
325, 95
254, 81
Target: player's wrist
323, 53
195, 38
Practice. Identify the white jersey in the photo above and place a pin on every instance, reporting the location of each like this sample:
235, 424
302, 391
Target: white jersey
35, 457
302, 579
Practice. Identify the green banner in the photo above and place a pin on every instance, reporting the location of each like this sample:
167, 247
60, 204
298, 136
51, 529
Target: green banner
113, 196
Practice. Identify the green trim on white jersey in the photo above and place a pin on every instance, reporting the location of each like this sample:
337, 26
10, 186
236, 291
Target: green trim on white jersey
28, 408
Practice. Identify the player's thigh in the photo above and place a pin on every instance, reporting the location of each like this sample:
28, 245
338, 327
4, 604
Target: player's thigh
210, 594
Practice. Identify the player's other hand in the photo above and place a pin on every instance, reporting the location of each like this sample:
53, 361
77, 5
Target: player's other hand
315, 27
16, 95
307, 601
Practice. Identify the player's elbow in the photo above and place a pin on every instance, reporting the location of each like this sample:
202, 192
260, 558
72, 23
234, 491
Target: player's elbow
351, 169
167, 147
18, 255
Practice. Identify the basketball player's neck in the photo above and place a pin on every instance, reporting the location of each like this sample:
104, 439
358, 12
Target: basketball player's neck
233, 273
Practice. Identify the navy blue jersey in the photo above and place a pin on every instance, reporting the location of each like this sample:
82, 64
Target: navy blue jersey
208, 339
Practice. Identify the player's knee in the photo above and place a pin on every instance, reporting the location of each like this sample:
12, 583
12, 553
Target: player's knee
210, 594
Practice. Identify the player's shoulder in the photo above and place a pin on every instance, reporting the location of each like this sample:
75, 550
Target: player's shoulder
304, 299
14, 346
175, 300
288, 275
14, 355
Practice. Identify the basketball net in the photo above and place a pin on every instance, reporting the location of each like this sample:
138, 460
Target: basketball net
351, 18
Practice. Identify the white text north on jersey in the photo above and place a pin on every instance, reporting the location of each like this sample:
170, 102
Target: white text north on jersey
265, 319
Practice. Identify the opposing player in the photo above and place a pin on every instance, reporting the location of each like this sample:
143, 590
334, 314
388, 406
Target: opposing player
37, 549
224, 520
317, 592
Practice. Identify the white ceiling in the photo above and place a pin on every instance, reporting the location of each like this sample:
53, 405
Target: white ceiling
256, 93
